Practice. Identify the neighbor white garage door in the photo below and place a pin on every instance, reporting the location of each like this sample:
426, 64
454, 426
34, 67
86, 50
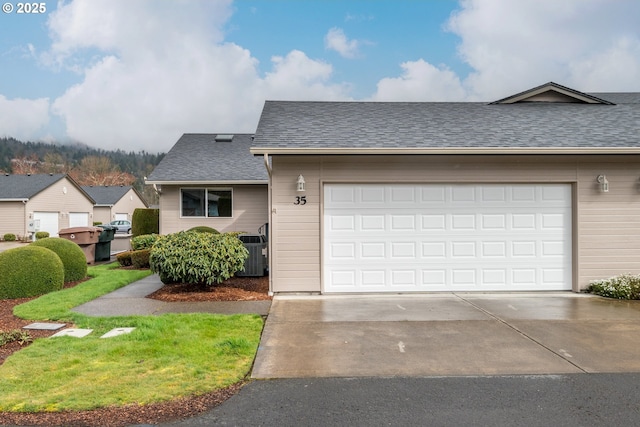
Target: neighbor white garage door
402, 238
78, 219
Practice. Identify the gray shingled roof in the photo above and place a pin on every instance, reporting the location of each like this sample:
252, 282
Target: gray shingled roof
197, 157
106, 195
21, 187
291, 125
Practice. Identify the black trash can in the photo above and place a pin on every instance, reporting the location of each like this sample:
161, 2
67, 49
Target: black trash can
103, 247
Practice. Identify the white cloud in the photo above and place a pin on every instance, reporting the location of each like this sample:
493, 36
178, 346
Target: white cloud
162, 68
590, 45
336, 40
512, 45
297, 77
23, 119
421, 81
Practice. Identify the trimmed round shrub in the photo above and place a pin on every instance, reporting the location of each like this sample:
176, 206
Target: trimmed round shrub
204, 229
140, 259
73, 258
198, 258
30, 271
9, 237
124, 258
42, 235
143, 242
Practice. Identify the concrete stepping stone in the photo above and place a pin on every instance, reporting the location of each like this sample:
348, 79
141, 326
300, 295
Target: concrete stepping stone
72, 332
44, 326
117, 331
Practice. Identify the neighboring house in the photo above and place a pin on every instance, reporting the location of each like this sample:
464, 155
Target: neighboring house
538, 191
42, 202
114, 202
211, 180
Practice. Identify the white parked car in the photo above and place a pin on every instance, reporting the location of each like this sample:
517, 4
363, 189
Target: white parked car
122, 226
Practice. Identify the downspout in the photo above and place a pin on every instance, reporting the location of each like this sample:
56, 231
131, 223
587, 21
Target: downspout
26, 220
269, 216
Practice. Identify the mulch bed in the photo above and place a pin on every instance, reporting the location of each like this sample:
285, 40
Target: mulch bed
234, 289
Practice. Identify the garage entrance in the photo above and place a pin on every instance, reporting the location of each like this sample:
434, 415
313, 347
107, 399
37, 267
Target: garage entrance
48, 222
446, 237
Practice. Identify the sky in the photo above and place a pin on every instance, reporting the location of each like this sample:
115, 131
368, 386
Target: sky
136, 74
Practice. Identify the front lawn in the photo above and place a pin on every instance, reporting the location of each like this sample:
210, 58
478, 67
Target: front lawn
165, 357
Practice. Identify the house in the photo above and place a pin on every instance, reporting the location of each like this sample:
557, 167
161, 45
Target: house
114, 202
211, 180
43, 202
536, 191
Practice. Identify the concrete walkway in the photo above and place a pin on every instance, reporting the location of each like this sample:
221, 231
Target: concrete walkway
448, 334
131, 300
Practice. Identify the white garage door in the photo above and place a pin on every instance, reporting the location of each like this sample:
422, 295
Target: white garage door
403, 238
78, 219
48, 222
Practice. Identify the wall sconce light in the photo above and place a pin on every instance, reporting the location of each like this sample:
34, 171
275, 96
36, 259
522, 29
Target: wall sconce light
300, 183
602, 180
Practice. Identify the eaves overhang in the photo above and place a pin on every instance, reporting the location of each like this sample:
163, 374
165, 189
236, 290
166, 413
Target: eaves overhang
444, 150
15, 200
245, 182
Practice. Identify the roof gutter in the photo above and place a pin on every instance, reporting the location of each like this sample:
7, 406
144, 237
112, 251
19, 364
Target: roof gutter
442, 150
15, 200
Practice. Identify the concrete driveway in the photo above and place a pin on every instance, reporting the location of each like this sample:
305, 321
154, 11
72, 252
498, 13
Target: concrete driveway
462, 334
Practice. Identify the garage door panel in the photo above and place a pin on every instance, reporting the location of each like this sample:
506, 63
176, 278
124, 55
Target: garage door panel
447, 237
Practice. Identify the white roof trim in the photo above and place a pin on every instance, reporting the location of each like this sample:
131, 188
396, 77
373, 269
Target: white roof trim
248, 182
449, 150
14, 200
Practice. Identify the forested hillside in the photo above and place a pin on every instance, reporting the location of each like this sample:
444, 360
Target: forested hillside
88, 166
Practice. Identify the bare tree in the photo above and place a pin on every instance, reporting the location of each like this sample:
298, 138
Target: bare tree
98, 171
25, 165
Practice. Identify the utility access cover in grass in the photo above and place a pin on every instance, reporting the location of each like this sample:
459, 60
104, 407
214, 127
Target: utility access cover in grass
44, 326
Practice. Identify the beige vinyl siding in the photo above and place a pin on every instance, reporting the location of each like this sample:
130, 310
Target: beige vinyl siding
102, 214
127, 204
14, 218
609, 223
250, 210
55, 199
605, 230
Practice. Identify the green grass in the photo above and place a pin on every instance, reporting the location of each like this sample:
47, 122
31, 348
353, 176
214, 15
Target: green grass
165, 357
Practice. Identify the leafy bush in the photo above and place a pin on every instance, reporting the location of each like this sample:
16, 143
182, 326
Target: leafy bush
202, 258
624, 286
73, 258
204, 229
16, 335
42, 235
140, 259
96, 223
9, 237
144, 242
30, 271
124, 259
145, 221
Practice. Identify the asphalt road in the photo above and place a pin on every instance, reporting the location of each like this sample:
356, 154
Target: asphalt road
541, 400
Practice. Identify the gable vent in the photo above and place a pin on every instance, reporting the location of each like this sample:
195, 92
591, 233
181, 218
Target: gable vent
224, 137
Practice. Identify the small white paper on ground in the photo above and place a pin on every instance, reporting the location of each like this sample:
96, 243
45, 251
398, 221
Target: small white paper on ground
72, 332
117, 331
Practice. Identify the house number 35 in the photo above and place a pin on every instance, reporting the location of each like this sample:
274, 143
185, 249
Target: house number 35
300, 200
